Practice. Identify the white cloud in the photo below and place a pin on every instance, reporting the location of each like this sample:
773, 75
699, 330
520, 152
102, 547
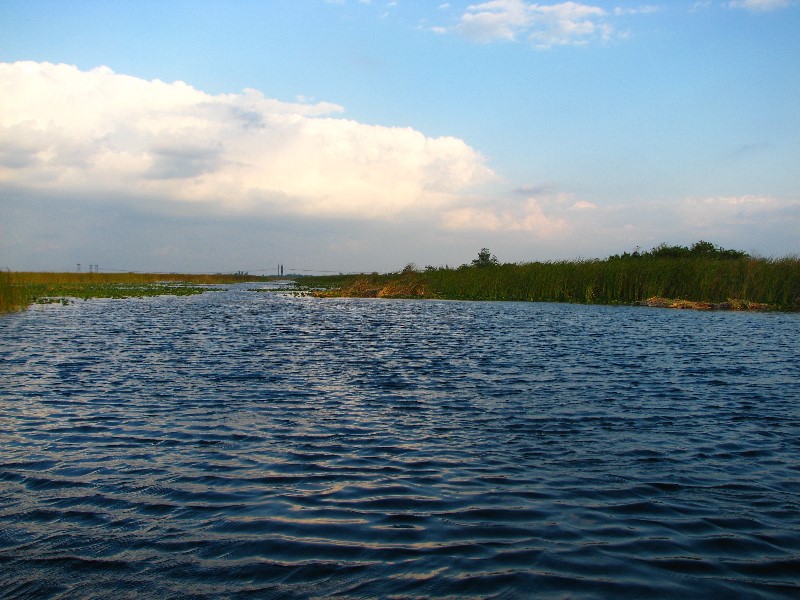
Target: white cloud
583, 205
495, 20
543, 25
97, 132
571, 226
543, 214
759, 5
645, 9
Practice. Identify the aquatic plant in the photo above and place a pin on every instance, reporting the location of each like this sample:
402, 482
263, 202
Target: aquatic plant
20, 289
11, 297
703, 273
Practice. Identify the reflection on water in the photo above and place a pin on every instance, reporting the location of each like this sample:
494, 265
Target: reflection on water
254, 444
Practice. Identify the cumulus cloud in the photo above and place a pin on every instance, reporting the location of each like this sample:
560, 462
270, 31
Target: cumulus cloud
543, 25
98, 132
759, 5
567, 224
645, 9
543, 212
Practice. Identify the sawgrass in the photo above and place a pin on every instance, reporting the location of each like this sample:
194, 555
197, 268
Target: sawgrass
702, 274
735, 281
21, 289
628, 281
11, 297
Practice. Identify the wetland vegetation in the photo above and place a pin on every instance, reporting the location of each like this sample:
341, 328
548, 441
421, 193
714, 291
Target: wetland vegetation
19, 290
703, 276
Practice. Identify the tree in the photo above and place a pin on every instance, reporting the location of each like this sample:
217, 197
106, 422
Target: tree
485, 259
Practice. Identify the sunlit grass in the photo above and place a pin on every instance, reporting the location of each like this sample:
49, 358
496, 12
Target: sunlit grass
21, 289
733, 282
719, 278
11, 297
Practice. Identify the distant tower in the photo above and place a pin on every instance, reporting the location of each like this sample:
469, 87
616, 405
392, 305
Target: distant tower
79, 267
281, 270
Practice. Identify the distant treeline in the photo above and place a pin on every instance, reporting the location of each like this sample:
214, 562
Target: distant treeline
703, 273
697, 250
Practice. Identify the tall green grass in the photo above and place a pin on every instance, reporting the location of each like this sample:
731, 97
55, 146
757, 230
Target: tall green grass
670, 272
627, 281
11, 297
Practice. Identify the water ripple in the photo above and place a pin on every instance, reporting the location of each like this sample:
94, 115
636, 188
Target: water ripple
243, 444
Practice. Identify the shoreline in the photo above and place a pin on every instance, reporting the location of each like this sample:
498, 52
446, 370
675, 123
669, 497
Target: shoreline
730, 305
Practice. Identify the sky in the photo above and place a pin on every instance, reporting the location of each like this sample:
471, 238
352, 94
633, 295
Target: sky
364, 135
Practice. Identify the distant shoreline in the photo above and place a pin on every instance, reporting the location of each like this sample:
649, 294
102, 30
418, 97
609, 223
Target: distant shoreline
667, 277
362, 291
698, 283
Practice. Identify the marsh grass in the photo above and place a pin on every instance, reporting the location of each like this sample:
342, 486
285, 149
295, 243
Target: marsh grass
21, 289
724, 278
11, 297
735, 282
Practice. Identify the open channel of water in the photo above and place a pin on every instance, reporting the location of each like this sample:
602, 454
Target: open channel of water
257, 445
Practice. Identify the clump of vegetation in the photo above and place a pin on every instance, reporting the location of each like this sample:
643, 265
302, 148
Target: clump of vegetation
11, 297
409, 283
485, 259
704, 273
701, 249
20, 289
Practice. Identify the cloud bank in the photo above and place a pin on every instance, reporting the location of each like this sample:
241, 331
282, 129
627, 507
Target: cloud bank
101, 167
91, 133
562, 220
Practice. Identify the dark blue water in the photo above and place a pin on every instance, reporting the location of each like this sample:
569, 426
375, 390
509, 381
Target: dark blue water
244, 444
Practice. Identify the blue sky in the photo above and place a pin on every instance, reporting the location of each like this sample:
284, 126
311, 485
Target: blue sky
360, 136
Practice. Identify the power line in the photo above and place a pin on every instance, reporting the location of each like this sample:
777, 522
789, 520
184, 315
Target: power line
288, 270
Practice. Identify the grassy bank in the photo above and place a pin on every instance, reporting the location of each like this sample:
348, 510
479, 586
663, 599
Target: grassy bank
703, 276
21, 289
715, 280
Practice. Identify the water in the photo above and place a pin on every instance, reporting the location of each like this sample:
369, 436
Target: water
243, 444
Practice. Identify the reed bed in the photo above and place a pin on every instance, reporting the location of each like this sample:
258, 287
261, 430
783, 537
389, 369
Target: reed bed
628, 281
616, 280
11, 297
716, 276
21, 289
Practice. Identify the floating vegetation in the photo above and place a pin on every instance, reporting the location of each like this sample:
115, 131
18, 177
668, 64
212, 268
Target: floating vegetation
47, 294
19, 289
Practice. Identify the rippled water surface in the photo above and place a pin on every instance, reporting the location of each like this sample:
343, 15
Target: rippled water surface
244, 444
